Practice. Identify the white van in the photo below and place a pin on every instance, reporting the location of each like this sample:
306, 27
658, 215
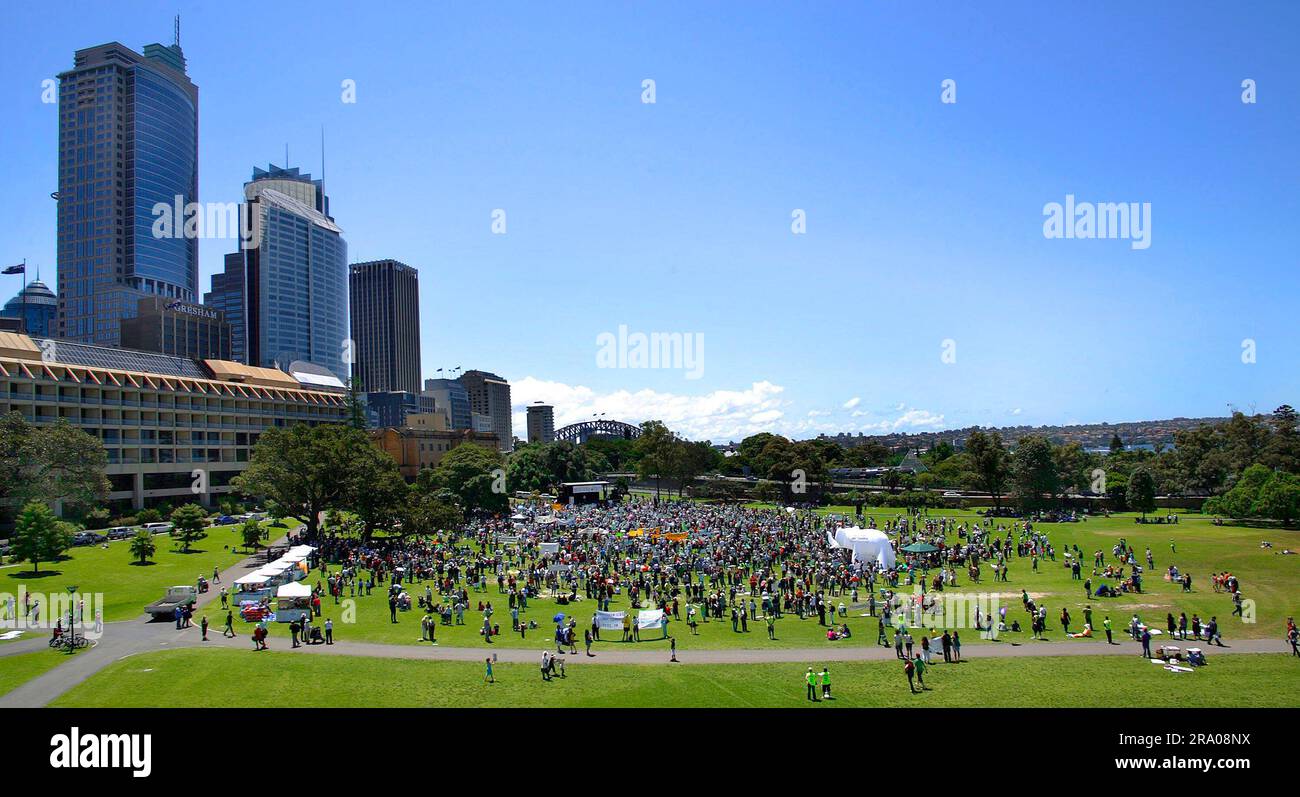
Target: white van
157, 528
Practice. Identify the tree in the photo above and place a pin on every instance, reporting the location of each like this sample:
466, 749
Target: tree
1033, 472
189, 525
1141, 495
39, 536
426, 512
1116, 444
470, 473
304, 469
142, 546
1282, 451
49, 463
376, 490
250, 533
1279, 498
656, 448
989, 458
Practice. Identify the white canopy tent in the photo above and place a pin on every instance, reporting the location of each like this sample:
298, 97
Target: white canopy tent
868, 545
294, 589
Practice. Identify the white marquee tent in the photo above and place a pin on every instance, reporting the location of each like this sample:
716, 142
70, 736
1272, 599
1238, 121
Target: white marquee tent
868, 545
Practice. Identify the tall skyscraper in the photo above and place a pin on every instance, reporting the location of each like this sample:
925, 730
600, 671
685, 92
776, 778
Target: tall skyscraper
385, 311
489, 395
451, 397
541, 423
128, 142
293, 290
227, 297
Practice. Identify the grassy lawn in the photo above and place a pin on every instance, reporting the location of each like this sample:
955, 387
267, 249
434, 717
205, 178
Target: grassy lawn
1268, 578
224, 677
126, 585
22, 667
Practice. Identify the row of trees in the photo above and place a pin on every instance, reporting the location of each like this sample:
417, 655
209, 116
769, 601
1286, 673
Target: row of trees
50, 463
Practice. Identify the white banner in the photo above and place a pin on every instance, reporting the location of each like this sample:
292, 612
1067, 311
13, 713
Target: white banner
650, 619
609, 621
549, 548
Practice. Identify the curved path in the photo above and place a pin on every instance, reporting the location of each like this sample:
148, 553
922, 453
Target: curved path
129, 637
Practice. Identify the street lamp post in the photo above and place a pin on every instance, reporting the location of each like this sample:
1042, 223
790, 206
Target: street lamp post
72, 621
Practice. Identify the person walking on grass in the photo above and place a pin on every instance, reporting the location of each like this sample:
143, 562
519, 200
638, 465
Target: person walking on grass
919, 664
487, 675
203, 627
910, 670
229, 630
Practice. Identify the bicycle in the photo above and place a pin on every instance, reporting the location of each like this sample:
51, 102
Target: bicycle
68, 642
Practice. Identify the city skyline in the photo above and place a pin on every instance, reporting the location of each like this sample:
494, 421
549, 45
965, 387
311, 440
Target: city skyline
921, 231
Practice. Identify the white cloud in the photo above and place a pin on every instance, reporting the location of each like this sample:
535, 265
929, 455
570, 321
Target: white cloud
853, 402
720, 416
1016, 411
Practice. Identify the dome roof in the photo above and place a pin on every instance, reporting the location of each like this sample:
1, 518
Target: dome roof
37, 294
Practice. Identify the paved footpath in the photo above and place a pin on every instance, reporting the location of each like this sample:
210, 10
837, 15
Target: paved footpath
126, 638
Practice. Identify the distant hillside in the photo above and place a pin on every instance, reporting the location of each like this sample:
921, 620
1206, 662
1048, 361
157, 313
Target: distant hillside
1140, 434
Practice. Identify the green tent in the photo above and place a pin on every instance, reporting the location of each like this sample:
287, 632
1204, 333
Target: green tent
920, 547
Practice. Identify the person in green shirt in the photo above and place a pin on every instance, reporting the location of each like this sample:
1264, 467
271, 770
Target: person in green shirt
1106, 624
826, 683
919, 663
812, 684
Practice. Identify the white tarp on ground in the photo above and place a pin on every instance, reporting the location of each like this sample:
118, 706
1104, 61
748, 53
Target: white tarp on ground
609, 621
650, 619
294, 589
549, 548
868, 545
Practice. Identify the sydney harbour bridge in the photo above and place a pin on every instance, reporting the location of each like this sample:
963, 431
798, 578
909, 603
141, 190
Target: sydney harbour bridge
582, 432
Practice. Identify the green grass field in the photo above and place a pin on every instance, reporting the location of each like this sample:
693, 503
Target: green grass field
235, 678
22, 667
126, 585
1268, 578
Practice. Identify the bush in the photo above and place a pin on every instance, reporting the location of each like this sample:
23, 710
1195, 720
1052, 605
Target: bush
96, 519
150, 515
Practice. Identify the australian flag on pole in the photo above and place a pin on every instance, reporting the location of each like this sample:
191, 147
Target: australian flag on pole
21, 268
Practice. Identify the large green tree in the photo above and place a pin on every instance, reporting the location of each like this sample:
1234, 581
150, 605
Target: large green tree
988, 457
304, 469
470, 473
39, 536
1141, 495
49, 463
1034, 477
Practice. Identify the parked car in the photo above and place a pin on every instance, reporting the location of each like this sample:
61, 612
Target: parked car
118, 533
224, 520
87, 538
157, 528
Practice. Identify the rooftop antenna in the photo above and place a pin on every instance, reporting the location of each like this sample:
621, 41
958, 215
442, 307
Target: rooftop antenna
322, 153
177, 26
286, 154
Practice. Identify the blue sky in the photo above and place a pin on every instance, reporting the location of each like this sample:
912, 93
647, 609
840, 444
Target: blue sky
924, 219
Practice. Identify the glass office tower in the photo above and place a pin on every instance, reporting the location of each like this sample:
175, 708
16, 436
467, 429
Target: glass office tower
128, 141
296, 276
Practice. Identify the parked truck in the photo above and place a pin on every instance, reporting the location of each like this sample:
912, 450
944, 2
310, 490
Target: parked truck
165, 608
